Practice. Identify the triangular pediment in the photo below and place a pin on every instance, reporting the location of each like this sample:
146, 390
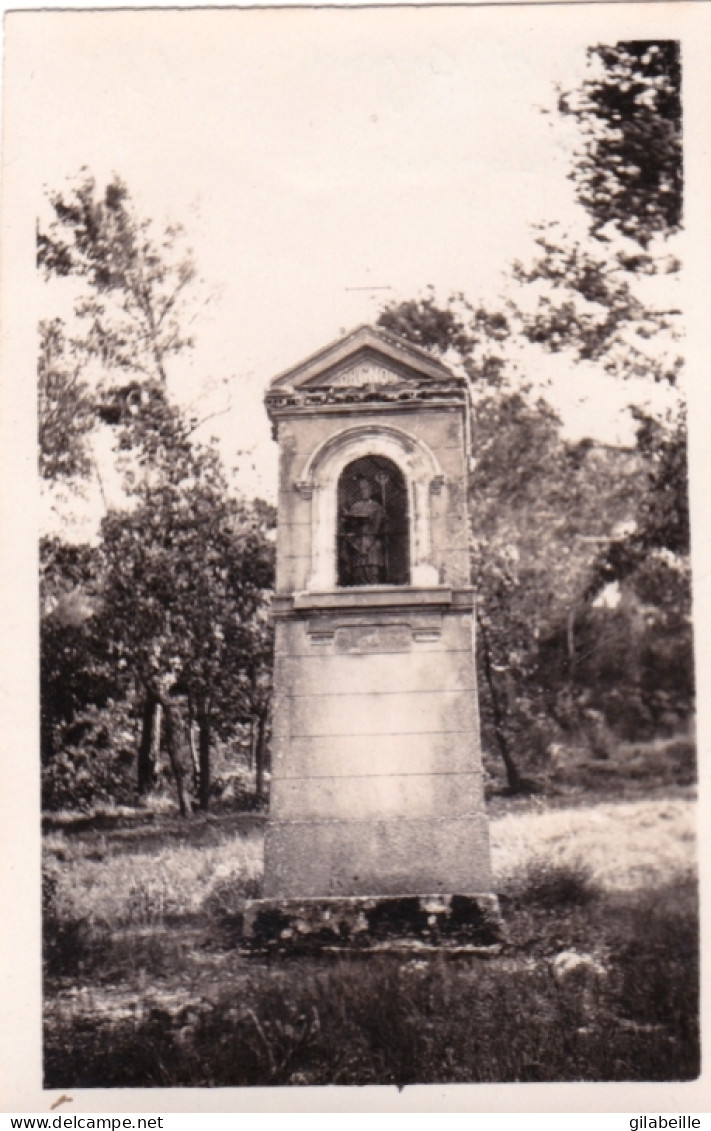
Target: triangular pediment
367, 357
366, 368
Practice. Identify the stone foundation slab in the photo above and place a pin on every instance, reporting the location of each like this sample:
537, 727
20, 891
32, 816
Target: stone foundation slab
463, 923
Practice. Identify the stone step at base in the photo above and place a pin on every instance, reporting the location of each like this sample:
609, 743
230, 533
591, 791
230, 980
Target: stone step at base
394, 923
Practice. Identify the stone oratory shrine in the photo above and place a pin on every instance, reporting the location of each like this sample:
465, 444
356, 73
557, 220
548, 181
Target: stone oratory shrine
377, 832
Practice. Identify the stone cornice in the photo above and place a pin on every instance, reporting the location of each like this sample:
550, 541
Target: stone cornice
433, 394
383, 598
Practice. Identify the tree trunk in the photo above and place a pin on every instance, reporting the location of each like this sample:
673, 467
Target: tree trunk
149, 744
261, 752
253, 728
155, 749
204, 762
176, 753
193, 752
570, 639
513, 777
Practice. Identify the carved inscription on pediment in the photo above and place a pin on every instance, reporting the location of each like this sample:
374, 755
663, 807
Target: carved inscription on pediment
366, 373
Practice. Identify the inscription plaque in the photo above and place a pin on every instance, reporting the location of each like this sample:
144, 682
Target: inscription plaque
374, 638
365, 374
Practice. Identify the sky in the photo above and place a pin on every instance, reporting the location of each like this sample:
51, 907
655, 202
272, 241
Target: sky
322, 163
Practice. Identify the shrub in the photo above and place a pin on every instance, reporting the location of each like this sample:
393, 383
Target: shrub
226, 898
550, 885
680, 757
95, 764
656, 940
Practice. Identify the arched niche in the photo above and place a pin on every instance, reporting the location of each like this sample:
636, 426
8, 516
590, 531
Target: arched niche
319, 481
373, 525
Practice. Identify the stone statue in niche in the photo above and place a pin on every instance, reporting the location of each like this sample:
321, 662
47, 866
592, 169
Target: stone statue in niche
362, 527
372, 524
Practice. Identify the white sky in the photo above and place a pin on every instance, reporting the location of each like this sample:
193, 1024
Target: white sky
309, 153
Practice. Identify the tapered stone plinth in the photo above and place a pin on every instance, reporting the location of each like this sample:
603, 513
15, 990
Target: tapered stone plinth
377, 799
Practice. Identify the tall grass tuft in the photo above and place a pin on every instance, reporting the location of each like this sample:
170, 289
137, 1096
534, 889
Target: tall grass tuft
562, 884
65, 935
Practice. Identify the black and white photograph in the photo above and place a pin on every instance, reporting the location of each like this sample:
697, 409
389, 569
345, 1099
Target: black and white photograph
352, 639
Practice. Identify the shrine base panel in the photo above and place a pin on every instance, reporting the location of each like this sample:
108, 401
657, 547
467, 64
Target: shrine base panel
376, 762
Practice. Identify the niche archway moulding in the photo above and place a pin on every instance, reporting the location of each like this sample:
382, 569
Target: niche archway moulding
319, 483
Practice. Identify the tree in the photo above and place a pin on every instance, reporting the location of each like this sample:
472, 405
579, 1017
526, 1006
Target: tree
468, 336
539, 507
184, 564
628, 171
129, 311
548, 516
594, 300
131, 298
587, 305
85, 699
134, 313
661, 527
73, 670
187, 572
65, 408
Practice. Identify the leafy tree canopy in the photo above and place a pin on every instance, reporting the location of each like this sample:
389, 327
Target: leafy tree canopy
599, 300
629, 169
65, 407
134, 313
173, 605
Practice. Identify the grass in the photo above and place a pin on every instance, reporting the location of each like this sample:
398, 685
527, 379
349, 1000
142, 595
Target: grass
146, 889
627, 845
427, 1021
551, 886
598, 981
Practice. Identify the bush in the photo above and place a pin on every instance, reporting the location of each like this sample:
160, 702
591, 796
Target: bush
227, 897
554, 885
95, 764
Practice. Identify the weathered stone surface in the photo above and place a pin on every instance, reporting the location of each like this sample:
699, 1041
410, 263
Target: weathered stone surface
376, 762
356, 755
371, 662
292, 571
377, 795
394, 712
376, 856
293, 555
403, 605
370, 923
